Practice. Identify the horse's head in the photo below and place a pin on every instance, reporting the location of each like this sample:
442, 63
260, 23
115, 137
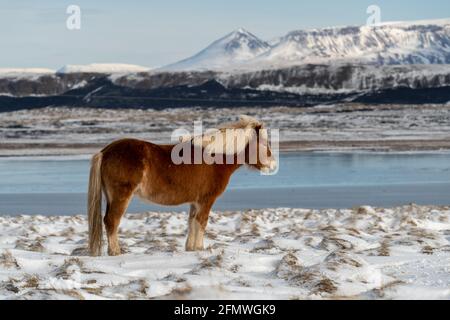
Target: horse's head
259, 153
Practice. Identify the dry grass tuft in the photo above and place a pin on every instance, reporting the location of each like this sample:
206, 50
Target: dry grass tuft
332, 243
427, 250
8, 260
383, 250
31, 281
421, 234
80, 251
10, 285
68, 232
255, 230
325, 285
380, 293
335, 259
35, 246
235, 268
212, 262
181, 291
96, 291
154, 244
264, 245
174, 277
364, 210
74, 294
66, 270
288, 266
308, 277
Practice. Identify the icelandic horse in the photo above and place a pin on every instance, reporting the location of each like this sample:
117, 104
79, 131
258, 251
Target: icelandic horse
131, 167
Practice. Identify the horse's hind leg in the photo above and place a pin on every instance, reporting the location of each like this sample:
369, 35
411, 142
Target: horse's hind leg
115, 209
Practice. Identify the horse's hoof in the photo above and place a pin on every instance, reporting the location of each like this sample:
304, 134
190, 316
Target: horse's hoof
194, 249
114, 252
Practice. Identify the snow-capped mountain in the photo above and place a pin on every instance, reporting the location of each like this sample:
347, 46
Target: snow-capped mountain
235, 48
107, 68
421, 42
19, 73
417, 42
403, 62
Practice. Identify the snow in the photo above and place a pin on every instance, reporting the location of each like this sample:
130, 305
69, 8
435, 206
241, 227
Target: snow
107, 68
236, 47
411, 42
57, 131
284, 253
20, 73
420, 42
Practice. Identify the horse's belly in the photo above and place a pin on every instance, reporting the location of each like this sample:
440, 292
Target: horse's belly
161, 198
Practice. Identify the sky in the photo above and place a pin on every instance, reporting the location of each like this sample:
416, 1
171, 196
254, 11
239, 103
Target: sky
156, 33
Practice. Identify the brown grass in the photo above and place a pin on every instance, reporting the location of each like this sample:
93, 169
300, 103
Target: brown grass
64, 272
33, 246
380, 292
325, 285
96, 291
74, 294
10, 286
337, 258
8, 260
421, 234
264, 245
235, 268
32, 281
182, 291
383, 250
212, 262
427, 250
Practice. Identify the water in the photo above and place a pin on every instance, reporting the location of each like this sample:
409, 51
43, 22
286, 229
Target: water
314, 180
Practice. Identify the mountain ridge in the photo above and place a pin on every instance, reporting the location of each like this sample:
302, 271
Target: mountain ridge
234, 48
399, 42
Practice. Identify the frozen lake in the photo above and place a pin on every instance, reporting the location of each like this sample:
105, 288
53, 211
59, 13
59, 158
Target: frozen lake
305, 179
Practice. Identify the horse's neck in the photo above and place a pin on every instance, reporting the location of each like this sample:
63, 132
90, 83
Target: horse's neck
231, 168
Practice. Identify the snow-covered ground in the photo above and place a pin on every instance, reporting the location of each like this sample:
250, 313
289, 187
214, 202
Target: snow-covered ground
364, 253
56, 131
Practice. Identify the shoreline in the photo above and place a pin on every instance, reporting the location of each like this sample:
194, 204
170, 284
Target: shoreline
308, 197
77, 149
352, 127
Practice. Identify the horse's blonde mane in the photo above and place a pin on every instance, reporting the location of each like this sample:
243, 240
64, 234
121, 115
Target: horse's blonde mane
243, 123
241, 133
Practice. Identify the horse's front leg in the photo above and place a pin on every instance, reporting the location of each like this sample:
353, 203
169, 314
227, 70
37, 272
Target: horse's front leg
198, 219
190, 241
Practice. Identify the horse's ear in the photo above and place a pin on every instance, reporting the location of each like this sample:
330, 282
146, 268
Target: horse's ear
184, 138
245, 118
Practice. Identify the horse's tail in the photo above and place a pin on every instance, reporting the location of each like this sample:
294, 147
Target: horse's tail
95, 206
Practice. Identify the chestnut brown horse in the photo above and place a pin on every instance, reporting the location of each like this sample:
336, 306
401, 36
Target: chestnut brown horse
131, 167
